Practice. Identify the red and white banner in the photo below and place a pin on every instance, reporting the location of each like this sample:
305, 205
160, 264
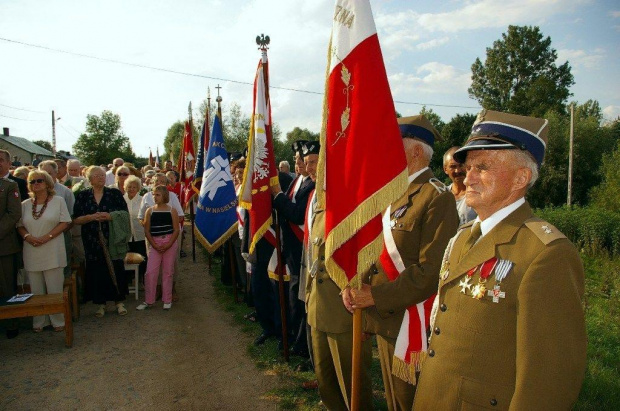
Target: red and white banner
260, 170
187, 163
362, 167
411, 343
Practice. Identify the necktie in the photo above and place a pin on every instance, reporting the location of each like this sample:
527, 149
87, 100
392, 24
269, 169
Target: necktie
476, 233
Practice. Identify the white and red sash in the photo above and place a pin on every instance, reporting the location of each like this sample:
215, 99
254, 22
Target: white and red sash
298, 230
411, 344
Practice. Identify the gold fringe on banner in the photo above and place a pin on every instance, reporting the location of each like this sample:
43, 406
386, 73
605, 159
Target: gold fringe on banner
212, 247
370, 208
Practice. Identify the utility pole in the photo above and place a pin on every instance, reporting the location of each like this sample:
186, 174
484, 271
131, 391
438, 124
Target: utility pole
570, 156
53, 133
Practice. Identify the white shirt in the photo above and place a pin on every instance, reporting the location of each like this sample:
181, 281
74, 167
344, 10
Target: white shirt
133, 205
66, 194
495, 218
148, 201
109, 178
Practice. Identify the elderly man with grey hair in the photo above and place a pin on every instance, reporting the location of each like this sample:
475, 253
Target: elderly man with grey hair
508, 330
110, 175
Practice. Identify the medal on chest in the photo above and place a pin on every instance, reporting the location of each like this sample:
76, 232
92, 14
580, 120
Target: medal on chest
479, 291
396, 215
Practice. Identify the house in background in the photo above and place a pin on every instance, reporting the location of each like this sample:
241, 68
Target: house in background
24, 149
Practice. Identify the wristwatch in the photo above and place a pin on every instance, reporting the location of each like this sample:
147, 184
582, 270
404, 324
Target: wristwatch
26, 236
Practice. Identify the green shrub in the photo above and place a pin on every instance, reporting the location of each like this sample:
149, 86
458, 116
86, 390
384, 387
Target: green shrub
591, 229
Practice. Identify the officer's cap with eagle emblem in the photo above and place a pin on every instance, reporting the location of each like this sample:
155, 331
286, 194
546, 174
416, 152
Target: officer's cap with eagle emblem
311, 147
419, 128
298, 146
494, 130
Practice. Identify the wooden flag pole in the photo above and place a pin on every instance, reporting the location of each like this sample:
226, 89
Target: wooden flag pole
356, 370
283, 302
192, 217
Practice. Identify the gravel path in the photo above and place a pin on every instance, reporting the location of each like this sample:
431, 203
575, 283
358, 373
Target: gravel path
190, 357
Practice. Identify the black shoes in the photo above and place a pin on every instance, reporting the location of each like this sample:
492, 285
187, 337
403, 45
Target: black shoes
10, 334
260, 340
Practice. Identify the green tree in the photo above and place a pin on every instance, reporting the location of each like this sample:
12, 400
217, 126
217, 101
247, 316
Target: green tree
590, 141
103, 140
173, 142
45, 144
454, 133
520, 76
607, 194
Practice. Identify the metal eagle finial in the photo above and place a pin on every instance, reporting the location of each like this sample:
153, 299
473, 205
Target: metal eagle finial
262, 41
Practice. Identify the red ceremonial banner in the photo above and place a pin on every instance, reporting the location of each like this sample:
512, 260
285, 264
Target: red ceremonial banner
260, 170
362, 166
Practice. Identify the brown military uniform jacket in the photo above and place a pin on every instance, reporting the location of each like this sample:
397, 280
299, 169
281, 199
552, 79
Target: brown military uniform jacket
10, 213
423, 221
528, 350
326, 312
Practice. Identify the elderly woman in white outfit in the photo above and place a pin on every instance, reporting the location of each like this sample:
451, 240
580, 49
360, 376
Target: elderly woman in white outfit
44, 218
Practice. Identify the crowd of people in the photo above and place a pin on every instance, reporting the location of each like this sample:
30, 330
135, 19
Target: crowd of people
61, 215
472, 292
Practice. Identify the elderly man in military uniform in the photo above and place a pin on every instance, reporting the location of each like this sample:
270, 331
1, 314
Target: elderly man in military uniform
331, 324
509, 331
417, 228
10, 213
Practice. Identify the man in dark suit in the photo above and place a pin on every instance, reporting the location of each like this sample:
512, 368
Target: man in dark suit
10, 213
291, 207
265, 295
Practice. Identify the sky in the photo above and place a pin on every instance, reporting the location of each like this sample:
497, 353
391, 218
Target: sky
428, 49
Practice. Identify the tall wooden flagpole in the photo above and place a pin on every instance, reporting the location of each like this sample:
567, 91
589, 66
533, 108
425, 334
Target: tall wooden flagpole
228, 244
263, 42
205, 153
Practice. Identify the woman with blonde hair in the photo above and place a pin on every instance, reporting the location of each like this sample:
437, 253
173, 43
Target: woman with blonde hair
133, 198
44, 218
21, 172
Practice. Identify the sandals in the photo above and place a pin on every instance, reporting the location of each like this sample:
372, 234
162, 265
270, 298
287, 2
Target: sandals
37, 330
100, 312
120, 308
59, 328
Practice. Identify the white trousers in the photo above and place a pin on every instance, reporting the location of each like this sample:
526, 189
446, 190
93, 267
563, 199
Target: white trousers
47, 282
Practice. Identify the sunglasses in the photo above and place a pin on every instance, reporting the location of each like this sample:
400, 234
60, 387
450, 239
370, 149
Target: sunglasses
38, 180
122, 174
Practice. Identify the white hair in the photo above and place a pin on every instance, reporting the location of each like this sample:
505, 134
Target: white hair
426, 149
524, 159
74, 161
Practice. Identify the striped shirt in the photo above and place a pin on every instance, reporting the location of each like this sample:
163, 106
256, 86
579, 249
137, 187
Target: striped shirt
161, 223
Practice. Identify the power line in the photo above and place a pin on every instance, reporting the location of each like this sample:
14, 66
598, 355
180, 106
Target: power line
22, 109
21, 119
183, 73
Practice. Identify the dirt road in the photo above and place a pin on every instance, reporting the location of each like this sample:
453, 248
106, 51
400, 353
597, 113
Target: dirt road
190, 357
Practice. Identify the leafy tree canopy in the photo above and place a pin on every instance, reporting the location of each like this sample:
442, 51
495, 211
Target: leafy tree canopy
45, 144
520, 76
103, 140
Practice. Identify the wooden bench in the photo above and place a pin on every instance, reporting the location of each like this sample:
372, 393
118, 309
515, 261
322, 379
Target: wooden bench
71, 283
41, 305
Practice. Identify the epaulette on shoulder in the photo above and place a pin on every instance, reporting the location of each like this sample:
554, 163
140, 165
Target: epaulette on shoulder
439, 186
546, 232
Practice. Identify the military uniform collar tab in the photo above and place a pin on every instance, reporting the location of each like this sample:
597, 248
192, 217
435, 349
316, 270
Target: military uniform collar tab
418, 173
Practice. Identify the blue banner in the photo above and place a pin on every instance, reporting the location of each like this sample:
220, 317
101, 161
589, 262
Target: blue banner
216, 214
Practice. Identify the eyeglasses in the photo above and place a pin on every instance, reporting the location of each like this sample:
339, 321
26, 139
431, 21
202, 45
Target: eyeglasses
38, 180
122, 174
